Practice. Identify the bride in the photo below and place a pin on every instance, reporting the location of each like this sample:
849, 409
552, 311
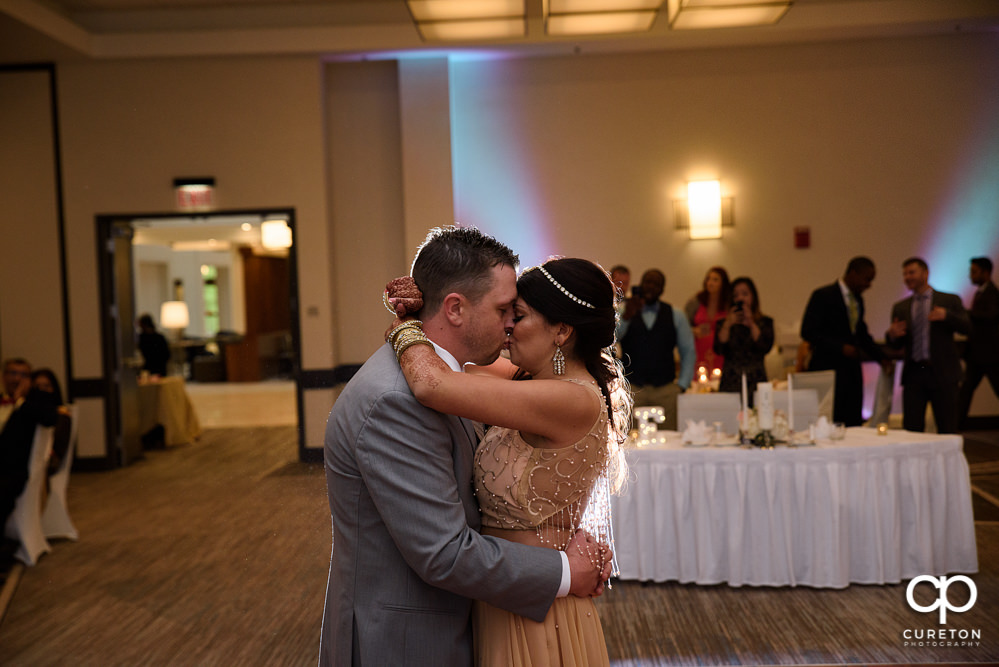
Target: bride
553, 439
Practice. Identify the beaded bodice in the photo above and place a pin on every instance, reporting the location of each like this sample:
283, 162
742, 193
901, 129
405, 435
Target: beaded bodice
521, 487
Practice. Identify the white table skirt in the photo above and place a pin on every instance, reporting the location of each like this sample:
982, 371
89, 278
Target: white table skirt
870, 509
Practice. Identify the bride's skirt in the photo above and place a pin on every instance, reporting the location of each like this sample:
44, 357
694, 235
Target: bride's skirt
570, 635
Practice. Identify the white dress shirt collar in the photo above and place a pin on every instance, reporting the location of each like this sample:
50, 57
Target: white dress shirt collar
448, 358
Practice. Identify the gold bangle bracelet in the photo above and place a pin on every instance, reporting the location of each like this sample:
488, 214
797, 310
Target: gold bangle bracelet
409, 343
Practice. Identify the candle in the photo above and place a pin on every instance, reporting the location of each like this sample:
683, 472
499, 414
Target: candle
745, 405
765, 405
790, 404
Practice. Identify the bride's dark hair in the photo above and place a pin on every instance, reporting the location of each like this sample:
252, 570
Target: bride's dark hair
593, 330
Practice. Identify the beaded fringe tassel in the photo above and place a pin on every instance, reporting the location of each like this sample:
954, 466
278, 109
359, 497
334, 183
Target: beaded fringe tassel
558, 361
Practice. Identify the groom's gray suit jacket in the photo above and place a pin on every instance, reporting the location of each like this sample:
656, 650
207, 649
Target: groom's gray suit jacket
407, 555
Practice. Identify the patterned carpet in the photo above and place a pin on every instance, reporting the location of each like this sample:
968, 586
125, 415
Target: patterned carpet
216, 553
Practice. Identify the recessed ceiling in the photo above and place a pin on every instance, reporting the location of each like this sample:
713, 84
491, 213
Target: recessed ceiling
56, 30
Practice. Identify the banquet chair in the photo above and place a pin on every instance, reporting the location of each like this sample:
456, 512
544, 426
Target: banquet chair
25, 523
714, 407
824, 383
806, 406
55, 519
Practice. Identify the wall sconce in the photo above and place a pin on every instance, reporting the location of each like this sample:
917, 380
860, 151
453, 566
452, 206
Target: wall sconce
451, 20
174, 315
705, 211
699, 14
275, 234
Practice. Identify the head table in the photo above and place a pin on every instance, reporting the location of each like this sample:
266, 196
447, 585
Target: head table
868, 509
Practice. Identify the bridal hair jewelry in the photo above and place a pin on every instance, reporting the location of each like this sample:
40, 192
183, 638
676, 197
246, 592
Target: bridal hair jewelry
385, 300
558, 361
558, 286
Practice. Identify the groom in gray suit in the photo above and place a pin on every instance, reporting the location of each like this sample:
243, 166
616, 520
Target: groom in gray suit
407, 554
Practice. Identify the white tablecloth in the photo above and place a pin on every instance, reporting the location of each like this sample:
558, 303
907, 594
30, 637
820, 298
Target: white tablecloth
870, 509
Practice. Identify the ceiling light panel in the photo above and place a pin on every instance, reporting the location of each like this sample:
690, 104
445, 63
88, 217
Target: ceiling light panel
697, 18
456, 10
599, 23
586, 6
472, 30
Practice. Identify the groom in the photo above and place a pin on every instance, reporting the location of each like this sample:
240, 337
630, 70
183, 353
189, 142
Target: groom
407, 555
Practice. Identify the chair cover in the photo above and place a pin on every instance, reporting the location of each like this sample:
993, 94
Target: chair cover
25, 522
55, 519
721, 407
806, 406
824, 383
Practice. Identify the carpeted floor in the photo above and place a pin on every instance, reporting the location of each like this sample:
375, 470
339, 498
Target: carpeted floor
217, 553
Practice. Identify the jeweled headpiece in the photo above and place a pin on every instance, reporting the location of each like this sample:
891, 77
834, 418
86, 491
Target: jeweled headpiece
562, 289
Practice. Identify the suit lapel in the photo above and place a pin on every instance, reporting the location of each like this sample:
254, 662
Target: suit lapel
469, 428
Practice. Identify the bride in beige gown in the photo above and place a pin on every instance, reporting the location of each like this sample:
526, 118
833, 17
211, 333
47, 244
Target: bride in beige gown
554, 439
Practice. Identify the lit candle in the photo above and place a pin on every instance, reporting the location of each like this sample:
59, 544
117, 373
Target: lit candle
790, 404
765, 407
745, 405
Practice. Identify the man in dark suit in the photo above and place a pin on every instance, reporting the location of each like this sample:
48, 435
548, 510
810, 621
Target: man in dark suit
981, 356
834, 326
924, 325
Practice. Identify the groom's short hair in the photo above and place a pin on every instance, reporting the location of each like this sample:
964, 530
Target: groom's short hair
457, 259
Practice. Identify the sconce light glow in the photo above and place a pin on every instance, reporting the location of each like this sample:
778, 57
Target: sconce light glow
704, 209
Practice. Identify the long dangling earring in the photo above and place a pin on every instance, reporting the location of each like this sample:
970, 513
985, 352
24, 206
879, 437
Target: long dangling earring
558, 361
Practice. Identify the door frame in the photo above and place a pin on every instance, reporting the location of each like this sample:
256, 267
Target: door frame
105, 223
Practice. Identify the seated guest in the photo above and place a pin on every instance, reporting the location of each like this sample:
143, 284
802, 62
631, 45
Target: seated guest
45, 380
32, 408
704, 310
15, 371
744, 337
153, 345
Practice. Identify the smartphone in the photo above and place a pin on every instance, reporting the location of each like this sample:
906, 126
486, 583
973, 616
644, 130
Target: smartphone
636, 292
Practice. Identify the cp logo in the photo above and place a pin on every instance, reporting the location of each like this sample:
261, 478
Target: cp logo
942, 602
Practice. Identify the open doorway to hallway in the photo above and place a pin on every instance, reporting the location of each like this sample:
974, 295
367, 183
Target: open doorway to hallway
237, 340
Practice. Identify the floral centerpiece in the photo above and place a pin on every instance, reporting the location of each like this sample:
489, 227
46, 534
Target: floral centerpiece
753, 434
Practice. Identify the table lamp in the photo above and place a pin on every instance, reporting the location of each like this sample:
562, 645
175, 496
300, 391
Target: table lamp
174, 315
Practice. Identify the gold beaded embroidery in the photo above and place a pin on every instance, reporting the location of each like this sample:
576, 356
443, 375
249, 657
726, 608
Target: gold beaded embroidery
520, 487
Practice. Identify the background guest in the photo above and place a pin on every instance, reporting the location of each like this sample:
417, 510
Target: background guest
45, 380
32, 408
15, 373
704, 310
650, 330
981, 356
924, 325
834, 327
744, 337
620, 276
154, 347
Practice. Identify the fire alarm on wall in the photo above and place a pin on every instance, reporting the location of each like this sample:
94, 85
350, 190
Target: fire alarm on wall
802, 237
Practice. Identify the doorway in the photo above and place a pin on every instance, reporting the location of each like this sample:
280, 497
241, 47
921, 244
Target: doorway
240, 295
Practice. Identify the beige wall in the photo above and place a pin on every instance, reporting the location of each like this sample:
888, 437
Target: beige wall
31, 318
130, 128
366, 210
887, 148
871, 144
